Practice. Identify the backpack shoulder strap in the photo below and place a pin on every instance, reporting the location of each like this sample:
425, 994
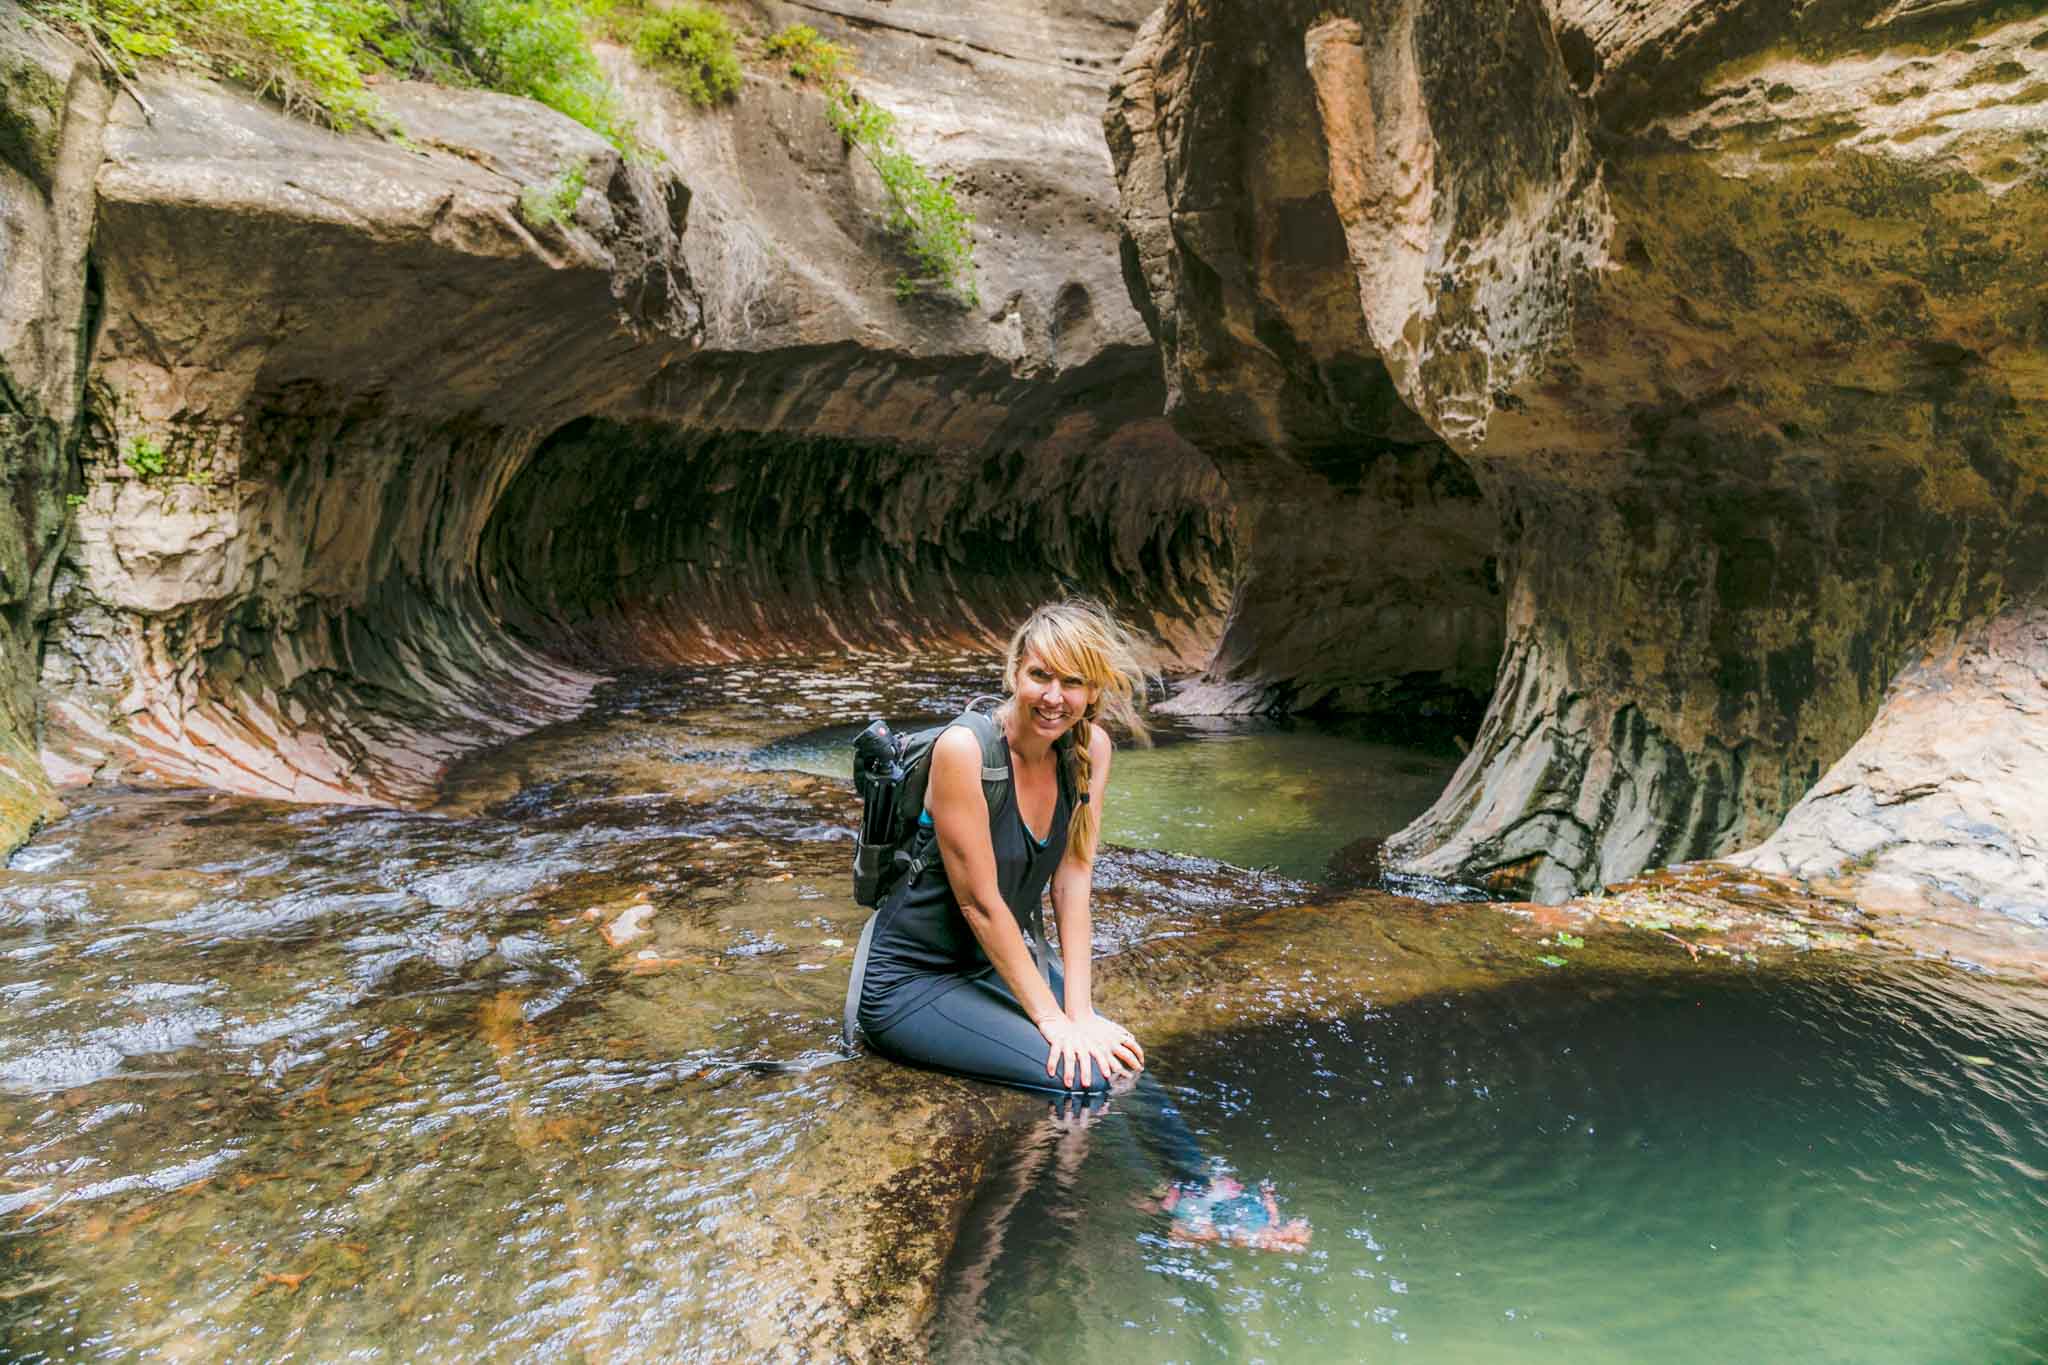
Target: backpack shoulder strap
995, 777
995, 749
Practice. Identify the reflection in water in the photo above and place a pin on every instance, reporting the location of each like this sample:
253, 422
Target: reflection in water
551, 1070
282, 1078
1852, 1168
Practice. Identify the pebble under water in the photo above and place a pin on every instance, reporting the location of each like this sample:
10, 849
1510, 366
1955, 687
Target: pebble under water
1846, 1166
551, 1071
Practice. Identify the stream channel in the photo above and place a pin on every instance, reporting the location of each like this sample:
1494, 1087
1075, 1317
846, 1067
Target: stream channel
323, 1082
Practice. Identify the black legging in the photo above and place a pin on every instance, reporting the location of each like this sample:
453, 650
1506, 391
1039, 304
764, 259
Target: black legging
978, 1029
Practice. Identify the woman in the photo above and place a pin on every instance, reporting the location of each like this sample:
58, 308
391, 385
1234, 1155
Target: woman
952, 982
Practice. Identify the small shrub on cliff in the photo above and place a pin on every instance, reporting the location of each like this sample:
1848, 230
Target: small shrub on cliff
810, 57
693, 47
554, 203
534, 48
314, 56
145, 457
936, 230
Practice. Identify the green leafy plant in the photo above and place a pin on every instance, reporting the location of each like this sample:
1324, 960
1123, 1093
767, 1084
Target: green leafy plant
694, 48
534, 48
74, 499
554, 203
306, 54
924, 211
810, 57
936, 230
316, 57
145, 457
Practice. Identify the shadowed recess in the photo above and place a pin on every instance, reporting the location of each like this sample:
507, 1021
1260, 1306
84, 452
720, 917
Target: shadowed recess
635, 543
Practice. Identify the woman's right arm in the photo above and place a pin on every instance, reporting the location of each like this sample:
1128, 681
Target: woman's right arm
960, 816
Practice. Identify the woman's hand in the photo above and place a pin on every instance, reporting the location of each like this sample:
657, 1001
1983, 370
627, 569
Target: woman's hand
1122, 1047
1069, 1051
1074, 1046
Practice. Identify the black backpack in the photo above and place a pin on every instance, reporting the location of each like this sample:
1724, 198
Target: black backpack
891, 772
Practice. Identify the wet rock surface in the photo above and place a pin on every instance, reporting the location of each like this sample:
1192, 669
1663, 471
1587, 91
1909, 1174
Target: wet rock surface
330, 1062
1725, 311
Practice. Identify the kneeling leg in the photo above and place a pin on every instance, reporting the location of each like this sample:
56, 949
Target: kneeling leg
978, 1029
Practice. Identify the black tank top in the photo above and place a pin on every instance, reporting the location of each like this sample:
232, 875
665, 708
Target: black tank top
922, 945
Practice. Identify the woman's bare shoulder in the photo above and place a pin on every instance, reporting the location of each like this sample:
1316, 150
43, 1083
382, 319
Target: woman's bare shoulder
1099, 743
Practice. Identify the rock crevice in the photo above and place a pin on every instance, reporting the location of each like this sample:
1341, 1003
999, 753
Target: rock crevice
53, 116
1738, 351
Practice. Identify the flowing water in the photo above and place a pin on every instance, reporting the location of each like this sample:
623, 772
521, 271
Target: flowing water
1833, 1167
551, 1070
340, 1078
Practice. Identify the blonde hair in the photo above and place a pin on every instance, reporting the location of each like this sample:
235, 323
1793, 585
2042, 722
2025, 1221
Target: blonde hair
1078, 636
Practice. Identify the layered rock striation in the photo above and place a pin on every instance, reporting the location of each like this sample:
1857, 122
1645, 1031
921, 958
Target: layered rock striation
1653, 391
1730, 316
318, 359
372, 463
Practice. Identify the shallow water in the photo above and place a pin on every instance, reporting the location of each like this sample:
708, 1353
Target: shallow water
335, 1079
331, 1081
1842, 1167
1249, 792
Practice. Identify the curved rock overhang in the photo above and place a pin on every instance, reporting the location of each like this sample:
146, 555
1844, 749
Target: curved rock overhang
375, 471
649, 542
296, 418
1732, 313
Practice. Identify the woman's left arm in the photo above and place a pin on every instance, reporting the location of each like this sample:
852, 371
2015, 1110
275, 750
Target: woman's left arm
1071, 883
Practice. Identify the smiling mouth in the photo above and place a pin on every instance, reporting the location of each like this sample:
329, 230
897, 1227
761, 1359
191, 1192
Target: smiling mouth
1049, 717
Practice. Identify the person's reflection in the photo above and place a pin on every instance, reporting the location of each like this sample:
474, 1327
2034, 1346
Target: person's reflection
1201, 1200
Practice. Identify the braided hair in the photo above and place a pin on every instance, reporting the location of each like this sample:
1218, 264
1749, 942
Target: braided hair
1079, 636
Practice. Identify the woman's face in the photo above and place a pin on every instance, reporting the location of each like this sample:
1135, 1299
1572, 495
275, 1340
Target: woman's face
1049, 701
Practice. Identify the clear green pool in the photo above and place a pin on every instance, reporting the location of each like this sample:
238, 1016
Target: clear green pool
1252, 793
1852, 1168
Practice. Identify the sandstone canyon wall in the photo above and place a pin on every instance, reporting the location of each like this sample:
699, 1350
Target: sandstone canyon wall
366, 469
1729, 316
1652, 390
